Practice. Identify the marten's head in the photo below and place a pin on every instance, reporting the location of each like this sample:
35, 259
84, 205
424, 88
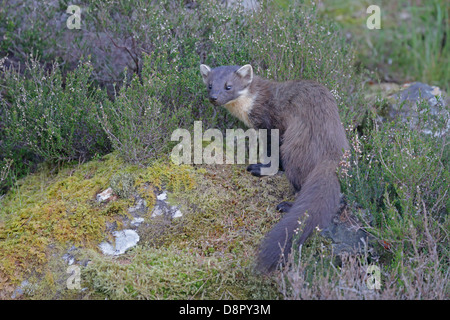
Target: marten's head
227, 83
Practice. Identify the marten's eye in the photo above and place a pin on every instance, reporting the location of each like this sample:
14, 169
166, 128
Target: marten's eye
210, 86
227, 87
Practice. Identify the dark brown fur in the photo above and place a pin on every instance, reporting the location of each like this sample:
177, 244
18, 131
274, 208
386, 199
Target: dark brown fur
312, 141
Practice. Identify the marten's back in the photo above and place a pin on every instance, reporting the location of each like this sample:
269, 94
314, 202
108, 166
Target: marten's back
307, 116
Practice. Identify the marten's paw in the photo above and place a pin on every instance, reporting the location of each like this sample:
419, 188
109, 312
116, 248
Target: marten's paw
255, 169
284, 206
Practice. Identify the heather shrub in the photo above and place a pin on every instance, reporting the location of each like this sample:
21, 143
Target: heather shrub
48, 117
401, 173
137, 123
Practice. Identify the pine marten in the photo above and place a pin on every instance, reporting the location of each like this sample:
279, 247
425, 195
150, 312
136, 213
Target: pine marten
312, 142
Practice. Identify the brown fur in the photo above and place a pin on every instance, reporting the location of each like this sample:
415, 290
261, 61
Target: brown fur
312, 143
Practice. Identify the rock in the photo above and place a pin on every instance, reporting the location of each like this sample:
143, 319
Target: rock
128, 238
105, 195
177, 214
20, 289
68, 257
125, 240
162, 196
72, 255
403, 103
414, 92
346, 234
247, 5
162, 207
136, 222
139, 208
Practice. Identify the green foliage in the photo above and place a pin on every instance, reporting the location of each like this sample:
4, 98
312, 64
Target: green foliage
136, 122
50, 118
122, 184
412, 44
397, 169
148, 274
24, 29
294, 44
417, 48
401, 176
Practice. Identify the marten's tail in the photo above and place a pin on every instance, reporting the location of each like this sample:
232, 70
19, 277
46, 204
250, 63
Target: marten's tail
319, 199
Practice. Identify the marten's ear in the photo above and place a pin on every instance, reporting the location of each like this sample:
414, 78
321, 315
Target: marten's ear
246, 73
205, 70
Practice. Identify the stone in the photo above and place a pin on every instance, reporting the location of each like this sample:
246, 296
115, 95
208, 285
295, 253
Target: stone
162, 196
346, 234
125, 239
247, 5
177, 213
403, 102
162, 207
136, 222
139, 208
69, 256
20, 289
414, 92
105, 195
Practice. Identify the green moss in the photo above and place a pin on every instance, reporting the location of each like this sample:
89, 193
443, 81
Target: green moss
207, 253
147, 273
48, 212
162, 273
224, 218
46, 208
163, 172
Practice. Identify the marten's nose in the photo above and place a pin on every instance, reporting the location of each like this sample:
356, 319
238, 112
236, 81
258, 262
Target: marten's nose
213, 98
